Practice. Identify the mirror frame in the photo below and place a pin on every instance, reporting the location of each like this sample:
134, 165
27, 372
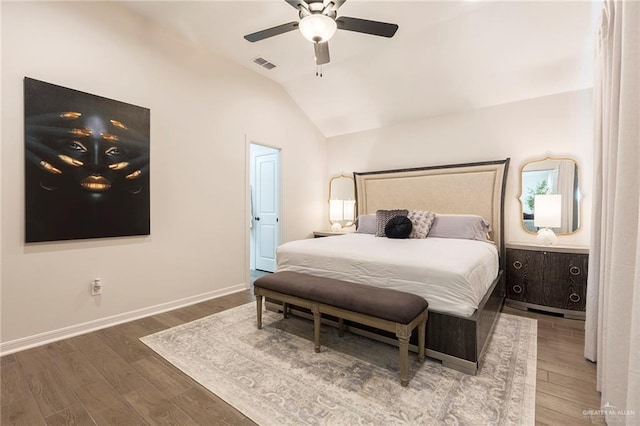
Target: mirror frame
521, 200
343, 223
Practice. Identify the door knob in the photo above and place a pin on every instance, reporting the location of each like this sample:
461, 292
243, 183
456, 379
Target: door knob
257, 218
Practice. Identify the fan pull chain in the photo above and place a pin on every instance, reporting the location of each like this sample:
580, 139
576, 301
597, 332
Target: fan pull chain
319, 74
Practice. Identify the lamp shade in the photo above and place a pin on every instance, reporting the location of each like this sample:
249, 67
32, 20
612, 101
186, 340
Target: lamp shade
349, 209
336, 210
548, 211
317, 28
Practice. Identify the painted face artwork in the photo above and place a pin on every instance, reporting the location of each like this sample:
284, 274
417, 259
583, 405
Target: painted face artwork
90, 156
87, 165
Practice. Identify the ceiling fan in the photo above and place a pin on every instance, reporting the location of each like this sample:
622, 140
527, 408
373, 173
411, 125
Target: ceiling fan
319, 22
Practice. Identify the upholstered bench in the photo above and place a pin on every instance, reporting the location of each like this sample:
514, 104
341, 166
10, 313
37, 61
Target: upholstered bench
386, 309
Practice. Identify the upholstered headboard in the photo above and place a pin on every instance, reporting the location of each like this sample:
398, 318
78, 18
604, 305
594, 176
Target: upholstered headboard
472, 188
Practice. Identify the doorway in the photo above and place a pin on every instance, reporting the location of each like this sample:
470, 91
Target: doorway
264, 193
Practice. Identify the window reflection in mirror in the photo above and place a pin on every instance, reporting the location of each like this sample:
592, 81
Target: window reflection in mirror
551, 176
342, 200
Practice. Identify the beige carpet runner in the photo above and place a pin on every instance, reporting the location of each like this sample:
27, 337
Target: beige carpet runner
274, 377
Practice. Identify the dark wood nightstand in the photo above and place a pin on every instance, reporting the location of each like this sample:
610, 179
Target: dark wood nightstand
548, 278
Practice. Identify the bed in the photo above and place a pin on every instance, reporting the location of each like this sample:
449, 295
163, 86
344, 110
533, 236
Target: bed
462, 279
416, 266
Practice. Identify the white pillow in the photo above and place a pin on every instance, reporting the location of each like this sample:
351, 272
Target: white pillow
467, 227
421, 221
366, 224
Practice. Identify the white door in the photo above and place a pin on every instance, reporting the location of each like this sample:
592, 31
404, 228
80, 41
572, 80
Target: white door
266, 212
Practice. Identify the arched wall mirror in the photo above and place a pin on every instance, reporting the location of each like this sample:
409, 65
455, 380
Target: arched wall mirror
342, 201
551, 176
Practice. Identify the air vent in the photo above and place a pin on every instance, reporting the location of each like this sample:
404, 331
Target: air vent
263, 63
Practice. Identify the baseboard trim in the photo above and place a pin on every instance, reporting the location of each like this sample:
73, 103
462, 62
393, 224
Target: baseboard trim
28, 342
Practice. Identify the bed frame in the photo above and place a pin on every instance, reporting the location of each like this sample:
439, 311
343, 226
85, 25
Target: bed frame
472, 188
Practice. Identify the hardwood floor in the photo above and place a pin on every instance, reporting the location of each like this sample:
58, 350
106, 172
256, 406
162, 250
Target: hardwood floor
566, 381
109, 377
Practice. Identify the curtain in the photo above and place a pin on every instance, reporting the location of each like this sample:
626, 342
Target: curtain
612, 336
566, 185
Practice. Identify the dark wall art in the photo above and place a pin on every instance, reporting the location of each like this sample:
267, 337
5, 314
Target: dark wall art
87, 165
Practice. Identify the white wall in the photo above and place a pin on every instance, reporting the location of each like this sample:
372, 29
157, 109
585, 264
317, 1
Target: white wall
204, 112
557, 125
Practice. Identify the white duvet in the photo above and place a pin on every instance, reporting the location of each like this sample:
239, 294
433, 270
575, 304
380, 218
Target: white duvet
452, 275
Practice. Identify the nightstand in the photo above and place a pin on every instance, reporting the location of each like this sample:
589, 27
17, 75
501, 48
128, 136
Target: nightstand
330, 233
548, 278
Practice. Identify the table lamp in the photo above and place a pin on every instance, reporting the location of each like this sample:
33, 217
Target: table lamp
547, 214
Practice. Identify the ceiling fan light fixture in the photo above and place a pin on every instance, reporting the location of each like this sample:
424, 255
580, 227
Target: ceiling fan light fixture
318, 28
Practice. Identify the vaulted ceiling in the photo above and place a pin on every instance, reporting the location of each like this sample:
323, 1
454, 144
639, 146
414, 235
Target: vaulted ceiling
447, 56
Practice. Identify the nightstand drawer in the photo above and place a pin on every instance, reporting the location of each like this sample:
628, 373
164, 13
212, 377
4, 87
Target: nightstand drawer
547, 278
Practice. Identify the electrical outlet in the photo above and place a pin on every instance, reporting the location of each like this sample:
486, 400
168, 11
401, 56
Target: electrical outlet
96, 287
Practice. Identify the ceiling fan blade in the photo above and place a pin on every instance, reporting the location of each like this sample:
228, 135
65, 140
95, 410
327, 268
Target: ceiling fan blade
382, 29
270, 32
321, 51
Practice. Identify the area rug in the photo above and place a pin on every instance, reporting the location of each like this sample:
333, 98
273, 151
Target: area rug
274, 377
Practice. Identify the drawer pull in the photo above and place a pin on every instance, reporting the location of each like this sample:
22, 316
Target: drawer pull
574, 297
574, 270
517, 289
517, 264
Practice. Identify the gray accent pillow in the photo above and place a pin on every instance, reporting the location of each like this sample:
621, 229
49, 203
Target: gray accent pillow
421, 221
366, 224
467, 227
384, 216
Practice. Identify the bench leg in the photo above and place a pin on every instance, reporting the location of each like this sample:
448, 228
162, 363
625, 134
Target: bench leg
422, 333
340, 327
259, 308
316, 326
403, 333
